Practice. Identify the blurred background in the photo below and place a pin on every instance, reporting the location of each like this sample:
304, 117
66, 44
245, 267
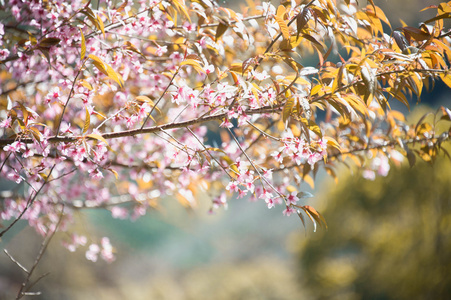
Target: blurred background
387, 239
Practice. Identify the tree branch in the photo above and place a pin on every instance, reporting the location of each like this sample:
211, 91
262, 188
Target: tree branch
134, 132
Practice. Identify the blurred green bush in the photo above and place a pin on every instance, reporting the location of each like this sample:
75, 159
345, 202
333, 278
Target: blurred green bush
387, 239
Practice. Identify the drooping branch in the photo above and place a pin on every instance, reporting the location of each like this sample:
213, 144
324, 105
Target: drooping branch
444, 137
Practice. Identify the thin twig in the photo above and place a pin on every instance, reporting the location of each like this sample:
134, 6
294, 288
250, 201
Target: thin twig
15, 261
68, 99
42, 250
29, 204
260, 176
161, 97
212, 157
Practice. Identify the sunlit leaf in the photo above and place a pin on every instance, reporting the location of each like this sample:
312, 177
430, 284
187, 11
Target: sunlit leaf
287, 109
87, 121
149, 101
83, 45
193, 63
283, 27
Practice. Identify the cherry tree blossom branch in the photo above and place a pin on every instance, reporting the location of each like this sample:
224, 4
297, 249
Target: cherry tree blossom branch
29, 204
161, 97
260, 136
260, 176
212, 157
444, 137
68, 99
134, 132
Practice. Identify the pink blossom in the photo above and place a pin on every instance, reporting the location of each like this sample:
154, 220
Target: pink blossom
95, 174
79, 154
278, 156
16, 146
93, 252
119, 212
243, 119
28, 153
232, 186
15, 177
220, 201
288, 211
209, 69
53, 95
176, 57
241, 193
107, 250
189, 26
292, 198
6, 123
131, 121
4, 53
259, 76
369, 174
161, 50
270, 203
226, 123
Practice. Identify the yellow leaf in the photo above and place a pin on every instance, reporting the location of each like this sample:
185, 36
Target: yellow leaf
281, 10
83, 45
36, 134
283, 27
287, 109
87, 121
100, 25
332, 142
231, 164
148, 100
114, 172
193, 63
446, 78
180, 5
309, 180
106, 69
99, 138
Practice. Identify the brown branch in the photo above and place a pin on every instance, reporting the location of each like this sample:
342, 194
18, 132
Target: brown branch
135, 132
230, 23
19, 85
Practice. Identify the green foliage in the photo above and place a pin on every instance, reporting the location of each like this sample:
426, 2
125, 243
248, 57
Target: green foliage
387, 239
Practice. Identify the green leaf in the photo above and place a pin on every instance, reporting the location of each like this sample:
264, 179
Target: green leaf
304, 195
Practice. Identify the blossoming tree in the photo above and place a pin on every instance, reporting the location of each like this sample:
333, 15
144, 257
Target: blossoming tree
115, 106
